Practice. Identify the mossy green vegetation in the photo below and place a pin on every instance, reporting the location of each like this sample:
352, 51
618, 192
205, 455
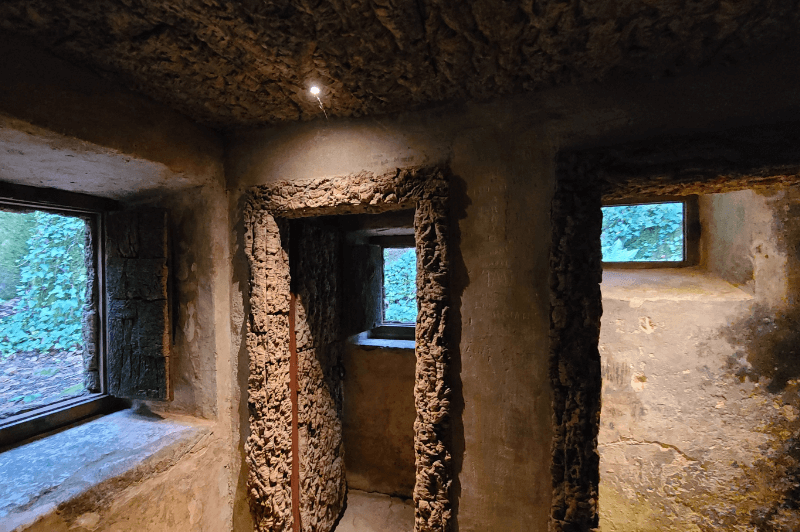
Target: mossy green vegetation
51, 288
650, 232
15, 230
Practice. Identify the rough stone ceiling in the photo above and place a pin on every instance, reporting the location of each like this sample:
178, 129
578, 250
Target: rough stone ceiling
232, 64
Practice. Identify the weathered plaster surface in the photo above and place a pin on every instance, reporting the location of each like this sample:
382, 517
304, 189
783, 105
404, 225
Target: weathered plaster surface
177, 497
739, 243
678, 429
65, 128
376, 512
728, 161
198, 239
379, 420
501, 201
499, 256
700, 395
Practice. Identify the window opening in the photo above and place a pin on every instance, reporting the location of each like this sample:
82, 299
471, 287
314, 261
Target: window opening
399, 285
44, 295
649, 232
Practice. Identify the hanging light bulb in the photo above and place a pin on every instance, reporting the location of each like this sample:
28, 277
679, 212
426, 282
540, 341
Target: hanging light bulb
315, 91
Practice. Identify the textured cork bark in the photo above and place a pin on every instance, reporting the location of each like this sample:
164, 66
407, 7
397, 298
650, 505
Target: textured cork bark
575, 310
269, 447
90, 321
242, 64
138, 314
315, 278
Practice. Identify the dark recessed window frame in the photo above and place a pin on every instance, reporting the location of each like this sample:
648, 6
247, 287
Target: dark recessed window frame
17, 428
691, 232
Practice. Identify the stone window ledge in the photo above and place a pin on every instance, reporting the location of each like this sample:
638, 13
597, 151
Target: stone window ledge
90, 461
363, 340
673, 284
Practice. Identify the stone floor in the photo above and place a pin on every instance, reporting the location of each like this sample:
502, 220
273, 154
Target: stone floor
375, 512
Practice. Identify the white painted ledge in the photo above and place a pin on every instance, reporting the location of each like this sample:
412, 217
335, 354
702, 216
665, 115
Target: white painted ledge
673, 284
106, 454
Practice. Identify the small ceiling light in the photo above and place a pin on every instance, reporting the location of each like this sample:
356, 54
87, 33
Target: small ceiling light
315, 91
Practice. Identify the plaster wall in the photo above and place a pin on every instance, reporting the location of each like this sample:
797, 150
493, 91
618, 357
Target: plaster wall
196, 492
506, 412
501, 155
700, 404
739, 244
378, 420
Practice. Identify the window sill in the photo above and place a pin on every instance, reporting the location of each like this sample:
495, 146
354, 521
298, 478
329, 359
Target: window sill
668, 284
100, 456
20, 427
363, 339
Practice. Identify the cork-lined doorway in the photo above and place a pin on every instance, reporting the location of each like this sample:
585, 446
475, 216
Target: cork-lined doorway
295, 451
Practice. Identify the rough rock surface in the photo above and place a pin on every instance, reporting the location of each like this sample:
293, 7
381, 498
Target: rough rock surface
315, 276
268, 447
247, 63
575, 310
320, 403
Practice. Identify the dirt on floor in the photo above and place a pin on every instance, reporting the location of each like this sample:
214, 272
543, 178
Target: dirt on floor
32, 380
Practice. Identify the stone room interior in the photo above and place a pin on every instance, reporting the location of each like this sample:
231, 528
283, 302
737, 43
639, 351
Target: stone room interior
485, 266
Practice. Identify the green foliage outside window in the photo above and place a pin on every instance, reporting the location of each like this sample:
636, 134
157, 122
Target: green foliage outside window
51, 288
399, 285
15, 229
639, 233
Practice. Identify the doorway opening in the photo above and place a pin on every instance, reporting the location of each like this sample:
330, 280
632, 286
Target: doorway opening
297, 340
